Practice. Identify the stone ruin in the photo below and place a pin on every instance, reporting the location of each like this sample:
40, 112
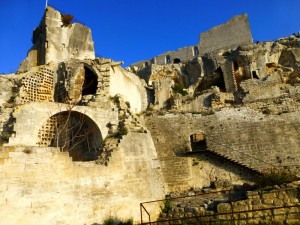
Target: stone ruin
83, 139
226, 36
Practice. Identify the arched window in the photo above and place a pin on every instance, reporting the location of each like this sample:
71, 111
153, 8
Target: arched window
73, 132
196, 50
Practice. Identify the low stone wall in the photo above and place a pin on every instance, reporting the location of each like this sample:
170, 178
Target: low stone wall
281, 206
277, 206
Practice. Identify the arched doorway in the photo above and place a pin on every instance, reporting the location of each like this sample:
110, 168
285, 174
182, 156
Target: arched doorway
168, 59
90, 84
220, 82
195, 51
73, 132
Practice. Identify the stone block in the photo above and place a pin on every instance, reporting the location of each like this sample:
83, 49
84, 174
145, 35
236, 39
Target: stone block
256, 202
278, 202
268, 201
224, 208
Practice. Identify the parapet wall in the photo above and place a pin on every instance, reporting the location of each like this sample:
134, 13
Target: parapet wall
183, 54
231, 34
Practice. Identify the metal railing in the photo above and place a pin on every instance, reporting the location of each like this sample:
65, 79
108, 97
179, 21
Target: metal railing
231, 216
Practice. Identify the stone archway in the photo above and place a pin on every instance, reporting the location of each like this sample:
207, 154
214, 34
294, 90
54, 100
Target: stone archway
73, 132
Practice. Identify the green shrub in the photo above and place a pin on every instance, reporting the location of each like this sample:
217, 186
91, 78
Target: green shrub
116, 221
177, 89
275, 177
123, 130
5, 136
167, 207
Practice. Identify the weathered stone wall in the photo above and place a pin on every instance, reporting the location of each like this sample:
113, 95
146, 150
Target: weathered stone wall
55, 42
43, 185
184, 54
276, 206
241, 135
266, 207
162, 92
64, 42
229, 35
37, 85
9, 86
31, 117
130, 87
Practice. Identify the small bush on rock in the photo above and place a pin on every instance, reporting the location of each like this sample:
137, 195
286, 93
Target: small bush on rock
167, 207
67, 19
116, 221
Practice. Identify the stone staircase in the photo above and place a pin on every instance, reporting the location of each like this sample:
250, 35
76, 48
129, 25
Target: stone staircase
237, 157
127, 123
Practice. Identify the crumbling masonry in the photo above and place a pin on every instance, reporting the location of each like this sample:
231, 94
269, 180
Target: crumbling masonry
83, 135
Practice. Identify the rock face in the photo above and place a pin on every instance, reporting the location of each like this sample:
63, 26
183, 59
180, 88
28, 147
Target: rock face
57, 39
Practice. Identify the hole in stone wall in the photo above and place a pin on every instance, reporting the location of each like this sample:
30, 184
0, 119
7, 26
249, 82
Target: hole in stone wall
254, 75
235, 66
73, 132
176, 61
90, 84
146, 64
198, 142
220, 82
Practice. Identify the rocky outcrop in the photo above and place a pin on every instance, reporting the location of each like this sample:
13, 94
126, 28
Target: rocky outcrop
57, 39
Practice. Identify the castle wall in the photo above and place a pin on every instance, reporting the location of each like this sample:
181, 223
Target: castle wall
229, 35
43, 186
184, 54
242, 135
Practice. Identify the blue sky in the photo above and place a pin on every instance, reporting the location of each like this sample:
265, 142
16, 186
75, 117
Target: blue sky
132, 30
